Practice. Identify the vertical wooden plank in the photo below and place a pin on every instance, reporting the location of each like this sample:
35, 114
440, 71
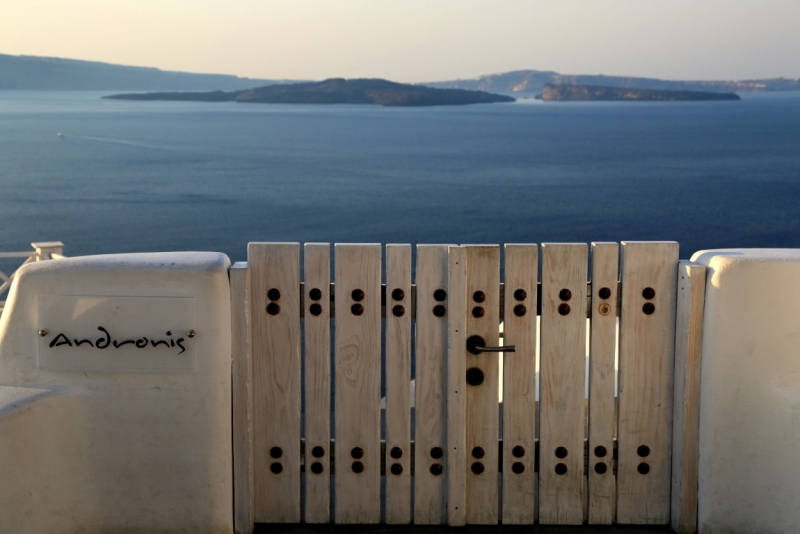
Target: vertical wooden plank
646, 358
275, 319
398, 384
318, 382
431, 412
519, 384
562, 383
456, 387
603, 344
686, 416
242, 369
483, 319
358, 383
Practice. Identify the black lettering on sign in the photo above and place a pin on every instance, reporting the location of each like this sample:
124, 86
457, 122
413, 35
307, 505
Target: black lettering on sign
107, 341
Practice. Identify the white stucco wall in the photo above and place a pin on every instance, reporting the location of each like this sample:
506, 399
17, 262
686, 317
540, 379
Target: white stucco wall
749, 479
127, 450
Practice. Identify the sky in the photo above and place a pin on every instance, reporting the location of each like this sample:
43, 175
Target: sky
416, 40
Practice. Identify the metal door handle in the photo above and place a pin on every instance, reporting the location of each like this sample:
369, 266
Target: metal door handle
476, 345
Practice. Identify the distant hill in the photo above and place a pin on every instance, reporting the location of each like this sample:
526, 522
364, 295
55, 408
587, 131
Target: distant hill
571, 93
49, 73
533, 81
335, 91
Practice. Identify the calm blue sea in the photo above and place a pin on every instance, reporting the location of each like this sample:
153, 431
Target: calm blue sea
151, 176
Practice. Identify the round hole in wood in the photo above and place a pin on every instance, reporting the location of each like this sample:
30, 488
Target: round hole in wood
357, 309
477, 312
440, 295
600, 468
648, 308
436, 453
477, 468
357, 295
436, 469
565, 294
357, 453
643, 468
561, 469
273, 308
396, 453
643, 451
274, 294
518, 467
276, 467
315, 309
317, 452
648, 293
398, 310
563, 309
518, 451
520, 294
276, 452
561, 452
358, 467
396, 469
316, 468
520, 310
439, 310
474, 376
477, 452
398, 294
315, 294
479, 296
604, 293
600, 451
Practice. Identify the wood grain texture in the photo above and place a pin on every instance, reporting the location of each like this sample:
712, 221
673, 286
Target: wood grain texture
276, 380
646, 370
519, 384
456, 387
483, 274
430, 434
358, 384
686, 415
398, 384
602, 350
317, 265
242, 368
562, 383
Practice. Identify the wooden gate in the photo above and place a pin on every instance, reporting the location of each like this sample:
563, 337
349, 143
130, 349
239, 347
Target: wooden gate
516, 412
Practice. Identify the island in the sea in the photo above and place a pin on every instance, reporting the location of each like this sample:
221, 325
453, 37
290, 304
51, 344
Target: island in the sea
569, 93
335, 91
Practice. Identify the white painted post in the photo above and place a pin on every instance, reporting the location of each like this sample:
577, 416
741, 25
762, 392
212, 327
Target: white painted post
749, 466
46, 249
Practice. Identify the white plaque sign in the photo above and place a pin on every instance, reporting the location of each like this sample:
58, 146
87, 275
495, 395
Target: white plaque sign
116, 334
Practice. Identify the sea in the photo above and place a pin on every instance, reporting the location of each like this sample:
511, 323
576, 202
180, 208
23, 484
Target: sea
106, 176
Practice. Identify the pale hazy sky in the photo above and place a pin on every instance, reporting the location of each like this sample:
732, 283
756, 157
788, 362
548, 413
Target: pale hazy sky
416, 40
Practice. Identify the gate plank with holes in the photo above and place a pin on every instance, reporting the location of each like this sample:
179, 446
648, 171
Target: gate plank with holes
431, 433
646, 359
398, 384
358, 383
482, 312
275, 319
563, 373
519, 384
603, 344
318, 382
